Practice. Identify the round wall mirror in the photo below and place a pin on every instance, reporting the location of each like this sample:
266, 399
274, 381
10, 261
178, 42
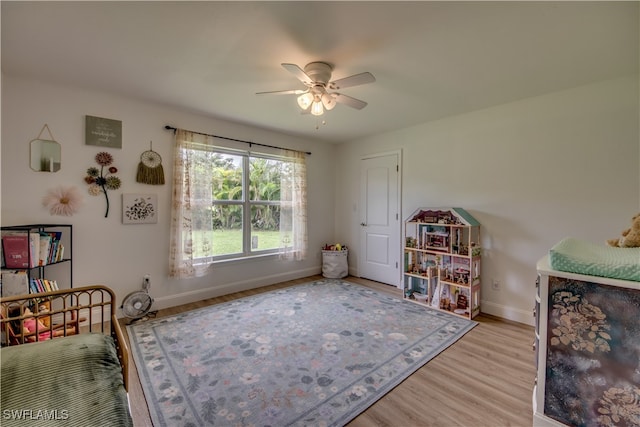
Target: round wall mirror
46, 155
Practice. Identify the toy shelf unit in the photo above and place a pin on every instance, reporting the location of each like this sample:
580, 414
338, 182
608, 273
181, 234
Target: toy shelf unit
442, 260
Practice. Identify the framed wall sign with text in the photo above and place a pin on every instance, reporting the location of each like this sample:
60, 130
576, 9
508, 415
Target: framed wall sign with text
103, 132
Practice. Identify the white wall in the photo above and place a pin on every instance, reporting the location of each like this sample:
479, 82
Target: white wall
532, 172
106, 251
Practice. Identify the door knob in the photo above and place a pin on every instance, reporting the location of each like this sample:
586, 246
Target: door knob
363, 224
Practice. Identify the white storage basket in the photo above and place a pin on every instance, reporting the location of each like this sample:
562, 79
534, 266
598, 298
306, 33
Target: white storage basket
334, 264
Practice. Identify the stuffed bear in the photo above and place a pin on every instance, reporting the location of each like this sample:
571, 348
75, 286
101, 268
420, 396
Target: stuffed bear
630, 237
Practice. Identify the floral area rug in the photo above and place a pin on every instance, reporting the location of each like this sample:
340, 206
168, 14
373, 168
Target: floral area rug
316, 354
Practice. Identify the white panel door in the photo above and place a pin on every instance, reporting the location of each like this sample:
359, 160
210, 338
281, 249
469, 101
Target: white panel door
379, 214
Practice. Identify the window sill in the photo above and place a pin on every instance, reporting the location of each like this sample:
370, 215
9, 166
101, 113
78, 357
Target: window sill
240, 260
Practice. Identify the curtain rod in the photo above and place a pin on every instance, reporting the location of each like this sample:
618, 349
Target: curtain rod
236, 140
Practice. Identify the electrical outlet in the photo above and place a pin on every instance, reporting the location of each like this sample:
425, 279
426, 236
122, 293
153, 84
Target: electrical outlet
147, 279
495, 285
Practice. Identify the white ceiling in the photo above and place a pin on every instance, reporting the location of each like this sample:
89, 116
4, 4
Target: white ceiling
430, 59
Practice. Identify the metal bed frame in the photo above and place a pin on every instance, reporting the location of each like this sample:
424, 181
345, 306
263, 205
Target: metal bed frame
60, 313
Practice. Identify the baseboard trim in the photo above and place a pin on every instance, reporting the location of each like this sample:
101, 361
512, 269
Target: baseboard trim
509, 313
228, 288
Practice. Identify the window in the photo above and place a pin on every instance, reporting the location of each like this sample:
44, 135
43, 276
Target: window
234, 204
244, 206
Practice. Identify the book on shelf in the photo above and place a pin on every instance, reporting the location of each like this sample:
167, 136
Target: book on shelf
50, 248
34, 249
33, 287
28, 250
15, 248
51, 240
43, 285
55, 244
45, 248
58, 254
52, 284
14, 283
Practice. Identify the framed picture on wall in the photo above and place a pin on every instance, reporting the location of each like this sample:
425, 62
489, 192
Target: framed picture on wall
139, 208
103, 132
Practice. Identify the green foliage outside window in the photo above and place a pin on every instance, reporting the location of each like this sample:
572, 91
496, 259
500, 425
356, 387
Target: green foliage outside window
226, 204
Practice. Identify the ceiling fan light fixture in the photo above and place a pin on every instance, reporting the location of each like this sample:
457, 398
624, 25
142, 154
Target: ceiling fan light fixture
305, 100
316, 108
316, 76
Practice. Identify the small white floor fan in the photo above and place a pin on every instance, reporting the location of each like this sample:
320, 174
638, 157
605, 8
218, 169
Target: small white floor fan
137, 304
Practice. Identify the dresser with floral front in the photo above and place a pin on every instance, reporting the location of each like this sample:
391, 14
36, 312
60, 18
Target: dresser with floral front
587, 350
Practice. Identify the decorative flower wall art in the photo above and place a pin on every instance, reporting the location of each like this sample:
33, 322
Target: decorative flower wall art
62, 201
139, 208
101, 180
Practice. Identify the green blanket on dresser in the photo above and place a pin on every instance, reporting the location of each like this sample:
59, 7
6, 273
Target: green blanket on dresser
71, 381
577, 256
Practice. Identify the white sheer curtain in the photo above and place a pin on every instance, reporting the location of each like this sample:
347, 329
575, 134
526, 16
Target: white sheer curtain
293, 211
192, 190
189, 188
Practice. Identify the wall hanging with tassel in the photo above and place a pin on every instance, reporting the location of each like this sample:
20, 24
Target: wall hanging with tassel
150, 169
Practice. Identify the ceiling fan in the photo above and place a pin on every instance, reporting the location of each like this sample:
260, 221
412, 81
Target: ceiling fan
316, 76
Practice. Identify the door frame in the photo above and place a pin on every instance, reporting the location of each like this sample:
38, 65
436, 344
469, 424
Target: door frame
398, 154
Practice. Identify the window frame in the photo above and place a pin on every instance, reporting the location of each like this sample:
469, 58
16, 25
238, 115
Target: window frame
246, 203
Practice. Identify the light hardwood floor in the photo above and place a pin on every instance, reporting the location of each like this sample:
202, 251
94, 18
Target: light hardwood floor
483, 380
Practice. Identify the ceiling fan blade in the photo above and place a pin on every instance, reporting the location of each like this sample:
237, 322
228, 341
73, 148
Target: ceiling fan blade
283, 92
351, 102
299, 73
355, 80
